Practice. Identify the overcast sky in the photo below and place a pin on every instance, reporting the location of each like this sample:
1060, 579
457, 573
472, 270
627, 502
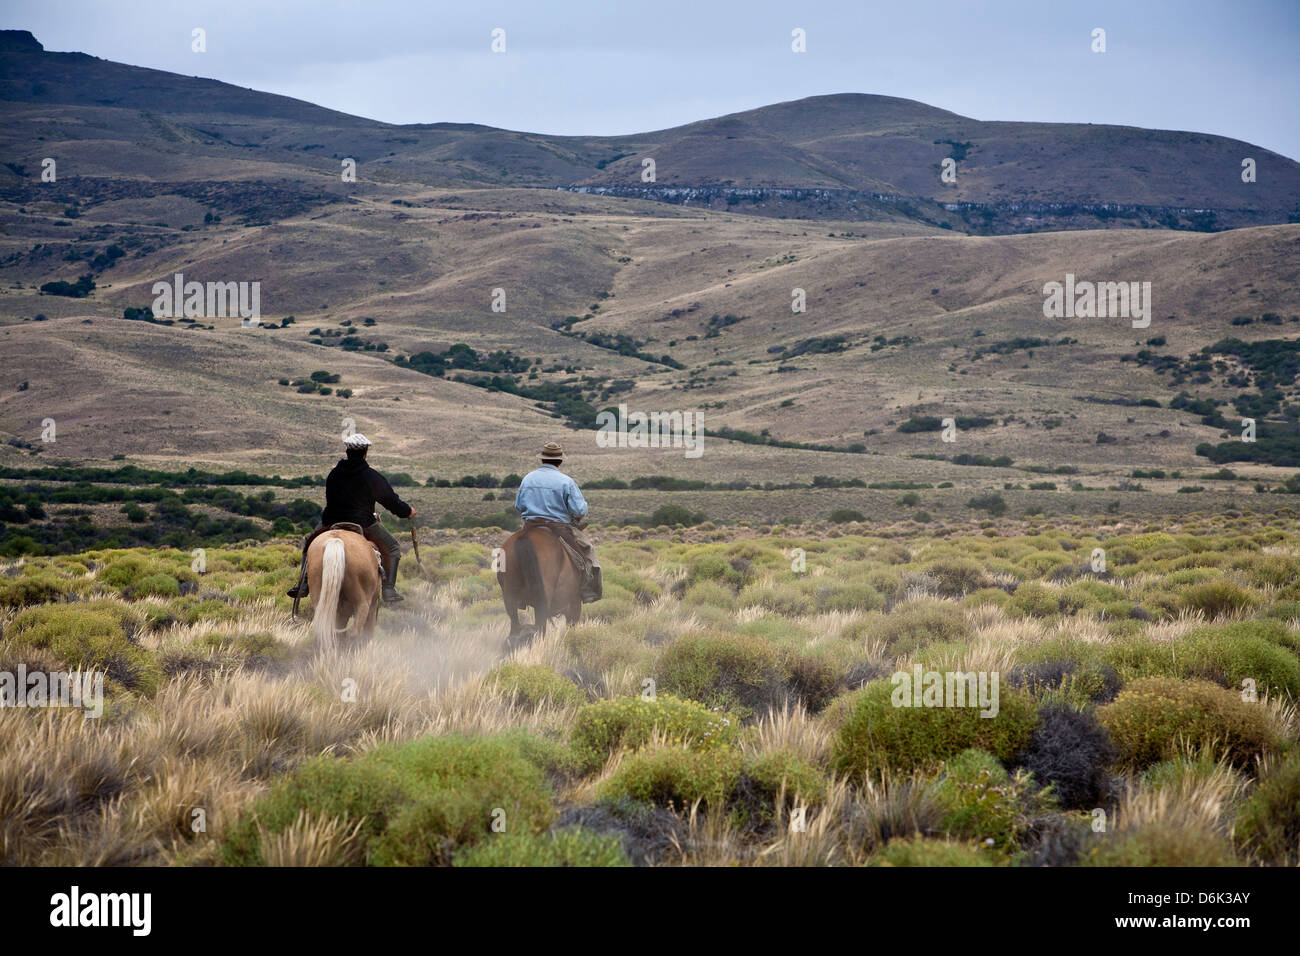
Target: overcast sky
611, 67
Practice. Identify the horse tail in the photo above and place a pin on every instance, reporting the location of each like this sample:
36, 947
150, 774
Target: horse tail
333, 564
530, 573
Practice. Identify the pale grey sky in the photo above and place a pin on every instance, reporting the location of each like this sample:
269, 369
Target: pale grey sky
579, 66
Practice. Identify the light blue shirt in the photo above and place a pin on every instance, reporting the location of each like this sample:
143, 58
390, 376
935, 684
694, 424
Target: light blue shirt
549, 493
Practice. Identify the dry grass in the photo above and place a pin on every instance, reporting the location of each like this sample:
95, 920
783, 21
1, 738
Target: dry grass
125, 788
312, 841
1201, 796
220, 729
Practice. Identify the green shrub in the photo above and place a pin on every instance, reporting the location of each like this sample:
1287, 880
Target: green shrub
876, 735
747, 788
957, 576
33, 587
1163, 845
714, 567
604, 727
532, 684
644, 590
928, 851
764, 777
1234, 652
94, 635
709, 594
1090, 595
981, 801
915, 624
1153, 715
416, 802
1268, 823
1077, 683
1284, 611
571, 846
1214, 598
786, 599
995, 596
814, 680
159, 585
1271, 629
847, 597
1139, 656
191, 609
885, 580
126, 570
1033, 599
1042, 563
1268, 570
1225, 654
991, 502
676, 777
734, 671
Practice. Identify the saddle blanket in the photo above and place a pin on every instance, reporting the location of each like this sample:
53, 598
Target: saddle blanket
563, 533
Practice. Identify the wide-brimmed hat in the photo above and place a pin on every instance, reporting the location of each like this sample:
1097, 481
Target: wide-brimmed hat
551, 449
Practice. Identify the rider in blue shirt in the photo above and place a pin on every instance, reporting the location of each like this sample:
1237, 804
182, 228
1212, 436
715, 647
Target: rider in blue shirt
548, 494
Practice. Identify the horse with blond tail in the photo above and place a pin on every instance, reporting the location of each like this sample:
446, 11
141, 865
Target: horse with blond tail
343, 578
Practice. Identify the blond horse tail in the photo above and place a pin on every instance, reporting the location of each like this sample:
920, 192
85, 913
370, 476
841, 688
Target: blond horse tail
333, 563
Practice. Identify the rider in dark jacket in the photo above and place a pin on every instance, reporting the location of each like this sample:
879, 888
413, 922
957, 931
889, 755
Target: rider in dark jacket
351, 491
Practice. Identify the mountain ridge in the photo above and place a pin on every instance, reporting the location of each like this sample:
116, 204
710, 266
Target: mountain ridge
673, 294
862, 142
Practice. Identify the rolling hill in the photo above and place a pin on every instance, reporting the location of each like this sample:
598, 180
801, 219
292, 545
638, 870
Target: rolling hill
671, 295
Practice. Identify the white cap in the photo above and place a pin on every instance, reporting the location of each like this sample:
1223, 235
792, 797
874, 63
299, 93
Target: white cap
356, 440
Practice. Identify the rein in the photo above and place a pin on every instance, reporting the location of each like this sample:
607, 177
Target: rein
415, 550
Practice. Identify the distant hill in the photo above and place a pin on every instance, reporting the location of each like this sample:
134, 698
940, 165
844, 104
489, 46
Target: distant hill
671, 295
847, 156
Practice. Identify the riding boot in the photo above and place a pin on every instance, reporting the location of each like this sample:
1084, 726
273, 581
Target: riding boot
390, 579
300, 589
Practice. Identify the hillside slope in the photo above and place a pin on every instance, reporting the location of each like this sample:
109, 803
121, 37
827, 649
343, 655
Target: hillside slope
112, 119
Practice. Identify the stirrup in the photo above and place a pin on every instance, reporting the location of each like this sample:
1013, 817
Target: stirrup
390, 596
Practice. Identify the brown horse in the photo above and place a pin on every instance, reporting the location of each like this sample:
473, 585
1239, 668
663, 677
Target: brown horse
343, 578
537, 573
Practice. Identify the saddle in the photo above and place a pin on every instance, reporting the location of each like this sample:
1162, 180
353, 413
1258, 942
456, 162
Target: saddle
564, 533
357, 529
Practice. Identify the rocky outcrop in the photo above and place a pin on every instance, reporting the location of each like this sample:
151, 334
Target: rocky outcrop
19, 41
979, 217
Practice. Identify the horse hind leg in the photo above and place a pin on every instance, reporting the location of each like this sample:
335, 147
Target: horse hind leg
512, 607
371, 617
344, 624
541, 618
518, 631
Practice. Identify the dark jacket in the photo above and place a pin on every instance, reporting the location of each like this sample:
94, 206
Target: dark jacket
351, 491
